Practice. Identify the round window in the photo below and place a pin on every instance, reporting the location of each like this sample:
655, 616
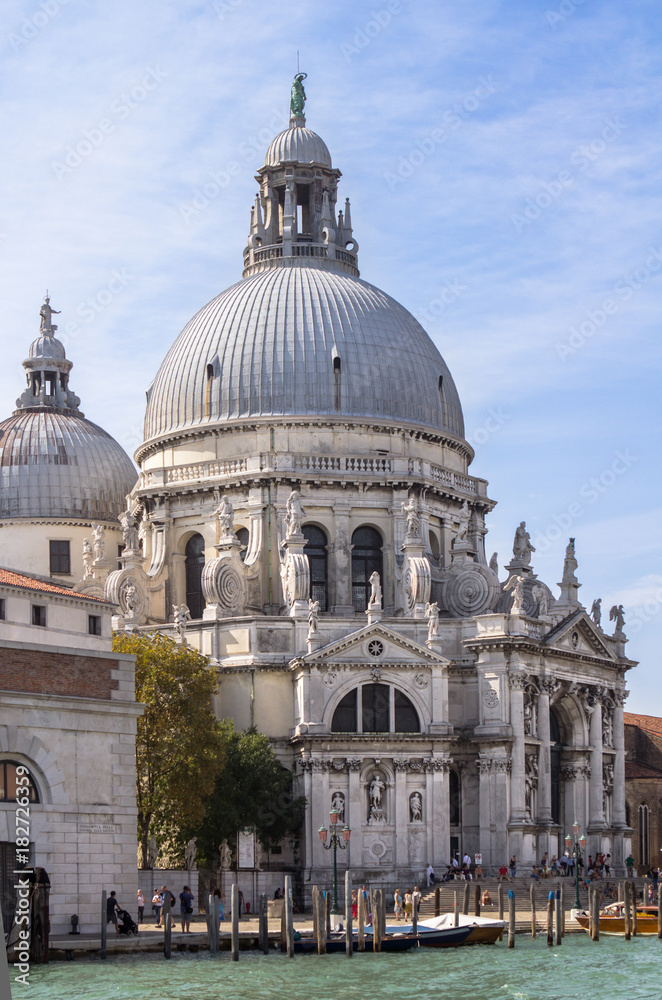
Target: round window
375, 647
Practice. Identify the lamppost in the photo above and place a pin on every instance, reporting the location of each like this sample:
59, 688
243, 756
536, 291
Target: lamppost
338, 840
577, 851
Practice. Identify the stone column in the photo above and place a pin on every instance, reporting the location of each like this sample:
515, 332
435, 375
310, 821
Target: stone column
321, 807
401, 813
596, 816
438, 815
354, 813
547, 688
309, 827
498, 844
341, 561
485, 805
517, 683
618, 794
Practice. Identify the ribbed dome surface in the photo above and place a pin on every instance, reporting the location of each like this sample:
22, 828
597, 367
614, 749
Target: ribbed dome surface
265, 347
46, 347
53, 465
297, 144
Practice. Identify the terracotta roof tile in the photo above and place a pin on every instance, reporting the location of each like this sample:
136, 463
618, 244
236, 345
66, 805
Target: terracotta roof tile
8, 576
634, 769
651, 723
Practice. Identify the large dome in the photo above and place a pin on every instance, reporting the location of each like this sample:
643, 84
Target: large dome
302, 341
54, 465
297, 144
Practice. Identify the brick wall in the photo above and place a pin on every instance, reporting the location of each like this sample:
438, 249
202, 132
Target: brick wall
45, 672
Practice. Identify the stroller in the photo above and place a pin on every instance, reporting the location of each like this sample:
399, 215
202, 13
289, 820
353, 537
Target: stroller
126, 923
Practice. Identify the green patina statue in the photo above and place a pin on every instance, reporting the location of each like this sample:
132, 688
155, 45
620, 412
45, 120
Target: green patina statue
298, 99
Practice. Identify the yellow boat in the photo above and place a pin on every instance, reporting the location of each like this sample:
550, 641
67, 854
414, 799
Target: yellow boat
612, 919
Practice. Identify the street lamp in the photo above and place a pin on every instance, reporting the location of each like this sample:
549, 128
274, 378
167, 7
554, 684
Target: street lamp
338, 840
577, 850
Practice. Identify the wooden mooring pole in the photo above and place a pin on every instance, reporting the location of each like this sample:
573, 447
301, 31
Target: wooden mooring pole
361, 921
456, 909
437, 901
212, 923
465, 901
500, 897
476, 899
321, 923
532, 894
289, 917
377, 915
659, 909
167, 926
550, 920
559, 917
627, 917
264, 923
349, 930
512, 918
633, 896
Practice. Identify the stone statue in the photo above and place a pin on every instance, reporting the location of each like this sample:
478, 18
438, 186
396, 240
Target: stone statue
415, 808
225, 514
607, 727
541, 598
99, 535
531, 784
129, 530
88, 556
516, 584
295, 514
522, 547
46, 325
432, 615
189, 857
375, 602
596, 610
464, 517
413, 528
338, 803
226, 855
131, 596
152, 852
617, 615
313, 616
569, 563
298, 99
181, 616
494, 564
375, 791
529, 715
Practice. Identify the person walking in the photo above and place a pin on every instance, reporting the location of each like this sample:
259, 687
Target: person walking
408, 905
186, 908
513, 866
416, 899
141, 906
112, 906
429, 872
157, 903
629, 864
397, 904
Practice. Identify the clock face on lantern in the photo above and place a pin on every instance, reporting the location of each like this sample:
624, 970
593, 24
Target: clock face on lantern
375, 647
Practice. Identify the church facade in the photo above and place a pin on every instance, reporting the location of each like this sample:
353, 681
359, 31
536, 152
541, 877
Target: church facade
306, 512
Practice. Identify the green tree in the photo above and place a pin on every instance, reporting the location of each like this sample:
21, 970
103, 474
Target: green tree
180, 745
254, 791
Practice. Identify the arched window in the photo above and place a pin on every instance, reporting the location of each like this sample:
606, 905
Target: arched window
13, 783
644, 834
209, 381
194, 561
315, 549
366, 560
243, 536
375, 708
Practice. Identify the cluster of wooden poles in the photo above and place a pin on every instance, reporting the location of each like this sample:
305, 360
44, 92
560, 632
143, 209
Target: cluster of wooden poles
377, 906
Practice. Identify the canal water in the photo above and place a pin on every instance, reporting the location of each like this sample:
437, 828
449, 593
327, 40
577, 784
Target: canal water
612, 969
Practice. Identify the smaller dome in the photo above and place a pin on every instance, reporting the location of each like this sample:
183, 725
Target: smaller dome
297, 144
47, 347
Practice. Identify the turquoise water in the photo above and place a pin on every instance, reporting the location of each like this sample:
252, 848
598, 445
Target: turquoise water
579, 970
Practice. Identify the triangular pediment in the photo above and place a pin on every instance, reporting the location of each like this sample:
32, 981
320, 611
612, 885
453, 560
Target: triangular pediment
578, 634
375, 644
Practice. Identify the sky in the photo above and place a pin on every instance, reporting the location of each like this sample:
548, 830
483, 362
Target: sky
504, 170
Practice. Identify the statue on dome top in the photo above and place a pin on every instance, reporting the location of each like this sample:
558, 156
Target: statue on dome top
570, 563
46, 327
516, 584
617, 615
298, 99
522, 547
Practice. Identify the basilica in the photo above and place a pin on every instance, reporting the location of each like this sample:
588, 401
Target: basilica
305, 516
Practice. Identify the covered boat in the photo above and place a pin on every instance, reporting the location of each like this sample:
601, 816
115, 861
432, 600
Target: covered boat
612, 919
